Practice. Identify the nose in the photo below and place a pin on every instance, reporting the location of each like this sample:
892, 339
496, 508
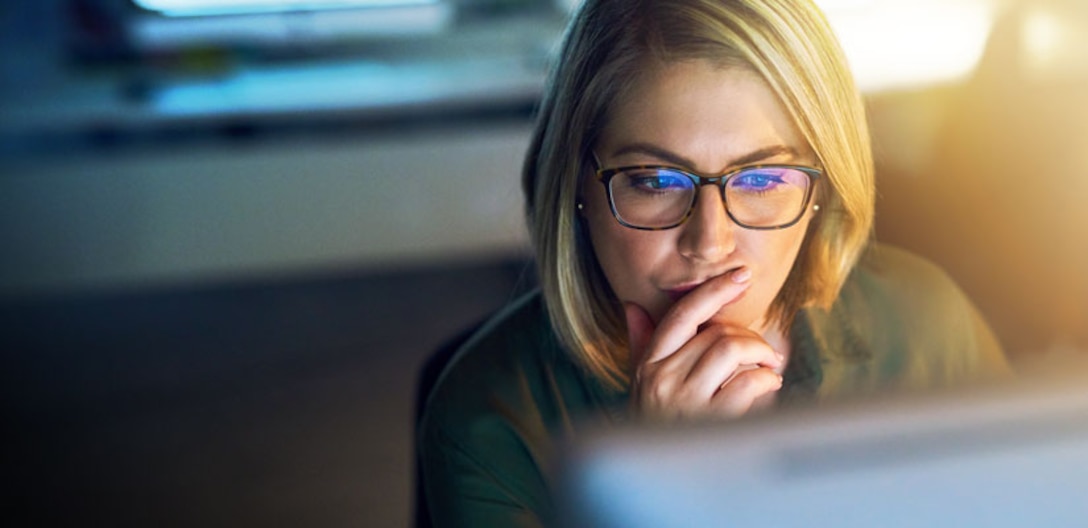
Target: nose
708, 235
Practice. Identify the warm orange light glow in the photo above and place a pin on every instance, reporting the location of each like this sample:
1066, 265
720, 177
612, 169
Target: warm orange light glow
895, 45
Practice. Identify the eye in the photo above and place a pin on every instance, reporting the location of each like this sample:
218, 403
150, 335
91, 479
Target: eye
756, 180
658, 181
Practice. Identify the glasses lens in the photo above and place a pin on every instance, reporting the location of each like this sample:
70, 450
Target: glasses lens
652, 197
767, 196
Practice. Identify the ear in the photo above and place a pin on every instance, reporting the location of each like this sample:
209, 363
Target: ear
591, 164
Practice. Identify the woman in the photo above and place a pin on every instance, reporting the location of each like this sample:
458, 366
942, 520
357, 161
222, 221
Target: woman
700, 195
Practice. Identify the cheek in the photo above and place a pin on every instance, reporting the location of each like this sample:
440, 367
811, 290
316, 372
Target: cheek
623, 258
627, 257
775, 251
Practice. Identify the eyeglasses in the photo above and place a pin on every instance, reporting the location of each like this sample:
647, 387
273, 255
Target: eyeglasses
653, 198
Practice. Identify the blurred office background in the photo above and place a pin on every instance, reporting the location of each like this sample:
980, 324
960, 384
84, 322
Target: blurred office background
232, 235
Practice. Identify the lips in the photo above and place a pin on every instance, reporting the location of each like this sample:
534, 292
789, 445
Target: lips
676, 293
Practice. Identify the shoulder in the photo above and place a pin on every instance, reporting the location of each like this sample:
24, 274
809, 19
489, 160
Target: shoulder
487, 434
511, 381
902, 322
485, 369
900, 271
894, 291
893, 281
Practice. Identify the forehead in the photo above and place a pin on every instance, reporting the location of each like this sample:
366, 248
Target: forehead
700, 111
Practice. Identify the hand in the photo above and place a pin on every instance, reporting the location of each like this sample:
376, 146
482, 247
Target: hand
690, 366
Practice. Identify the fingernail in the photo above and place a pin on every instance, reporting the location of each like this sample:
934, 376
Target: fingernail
741, 275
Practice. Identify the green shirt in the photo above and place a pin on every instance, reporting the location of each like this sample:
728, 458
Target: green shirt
488, 436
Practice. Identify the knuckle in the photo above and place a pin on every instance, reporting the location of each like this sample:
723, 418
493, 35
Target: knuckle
657, 394
724, 348
653, 387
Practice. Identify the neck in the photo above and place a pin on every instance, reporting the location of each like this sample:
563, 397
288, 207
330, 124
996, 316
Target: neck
778, 338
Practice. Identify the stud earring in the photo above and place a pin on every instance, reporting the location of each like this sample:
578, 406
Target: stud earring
580, 206
816, 207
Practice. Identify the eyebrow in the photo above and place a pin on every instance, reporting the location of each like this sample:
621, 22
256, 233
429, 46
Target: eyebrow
755, 156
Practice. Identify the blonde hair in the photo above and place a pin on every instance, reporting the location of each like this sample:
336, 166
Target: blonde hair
608, 43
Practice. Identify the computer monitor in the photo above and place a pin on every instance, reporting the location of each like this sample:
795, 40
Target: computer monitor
1009, 456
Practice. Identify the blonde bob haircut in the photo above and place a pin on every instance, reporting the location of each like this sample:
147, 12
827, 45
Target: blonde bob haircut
607, 45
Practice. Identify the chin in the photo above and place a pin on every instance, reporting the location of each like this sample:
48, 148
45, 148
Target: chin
733, 315
744, 313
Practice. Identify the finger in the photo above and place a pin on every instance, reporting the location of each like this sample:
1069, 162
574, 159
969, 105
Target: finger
712, 343
640, 329
666, 379
682, 321
775, 360
737, 396
726, 358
